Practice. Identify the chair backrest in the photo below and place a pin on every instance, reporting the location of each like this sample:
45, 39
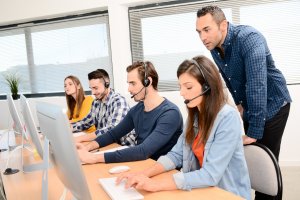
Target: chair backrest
264, 171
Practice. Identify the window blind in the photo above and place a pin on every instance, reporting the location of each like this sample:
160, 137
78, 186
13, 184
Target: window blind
44, 54
166, 34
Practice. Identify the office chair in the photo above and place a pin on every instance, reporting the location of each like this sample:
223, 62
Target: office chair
264, 171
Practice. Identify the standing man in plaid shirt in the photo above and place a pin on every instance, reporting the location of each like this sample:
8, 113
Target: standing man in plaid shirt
256, 85
108, 109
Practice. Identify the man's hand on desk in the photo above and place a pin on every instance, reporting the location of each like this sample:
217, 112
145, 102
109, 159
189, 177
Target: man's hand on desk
90, 158
85, 138
88, 147
78, 139
80, 146
87, 157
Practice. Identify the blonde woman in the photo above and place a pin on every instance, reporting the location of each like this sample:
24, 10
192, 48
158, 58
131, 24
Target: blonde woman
79, 105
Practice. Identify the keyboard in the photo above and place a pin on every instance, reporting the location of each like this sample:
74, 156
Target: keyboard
111, 150
7, 138
118, 192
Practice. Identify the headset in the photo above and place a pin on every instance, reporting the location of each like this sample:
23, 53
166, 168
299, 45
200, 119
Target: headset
104, 73
205, 85
146, 81
106, 84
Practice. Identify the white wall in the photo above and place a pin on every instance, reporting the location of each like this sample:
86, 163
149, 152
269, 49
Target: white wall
15, 11
290, 148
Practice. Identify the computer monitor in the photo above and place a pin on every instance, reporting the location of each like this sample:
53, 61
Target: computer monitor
30, 125
55, 126
18, 127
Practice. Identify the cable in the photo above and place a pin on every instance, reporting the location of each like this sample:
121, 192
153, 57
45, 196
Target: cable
6, 131
64, 194
8, 170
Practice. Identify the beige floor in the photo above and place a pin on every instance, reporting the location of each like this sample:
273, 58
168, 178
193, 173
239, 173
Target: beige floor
291, 183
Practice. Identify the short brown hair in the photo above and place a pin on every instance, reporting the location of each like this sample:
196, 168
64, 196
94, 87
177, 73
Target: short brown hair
216, 12
150, 71
98, 74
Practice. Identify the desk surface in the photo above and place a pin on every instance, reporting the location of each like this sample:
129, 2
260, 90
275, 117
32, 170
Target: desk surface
28, 185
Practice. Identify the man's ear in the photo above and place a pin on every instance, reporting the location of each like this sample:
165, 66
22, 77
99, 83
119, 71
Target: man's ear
223, 25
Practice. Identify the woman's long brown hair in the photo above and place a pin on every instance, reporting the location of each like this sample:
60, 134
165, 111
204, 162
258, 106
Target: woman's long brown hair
71, 102
212, 101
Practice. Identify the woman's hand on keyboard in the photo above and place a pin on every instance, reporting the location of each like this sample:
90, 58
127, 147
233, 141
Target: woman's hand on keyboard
137, 180
126, 175
142, 182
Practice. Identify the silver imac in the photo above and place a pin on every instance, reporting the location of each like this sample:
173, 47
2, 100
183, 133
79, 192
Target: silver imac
18, 127
55, 127
34, 138
30, 125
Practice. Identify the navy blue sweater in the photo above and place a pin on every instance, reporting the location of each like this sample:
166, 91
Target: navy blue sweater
156, 131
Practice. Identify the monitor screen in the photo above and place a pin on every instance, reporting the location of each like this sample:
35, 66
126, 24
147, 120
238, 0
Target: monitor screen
30, 125
55, 126
18, 127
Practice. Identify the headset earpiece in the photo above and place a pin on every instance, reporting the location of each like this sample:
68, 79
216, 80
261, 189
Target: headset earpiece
106, 84
205, 85
146, 81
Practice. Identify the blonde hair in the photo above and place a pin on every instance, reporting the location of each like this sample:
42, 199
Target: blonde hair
71, 102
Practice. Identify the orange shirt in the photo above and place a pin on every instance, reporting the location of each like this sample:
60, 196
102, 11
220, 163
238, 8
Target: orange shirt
198, 149
85, 109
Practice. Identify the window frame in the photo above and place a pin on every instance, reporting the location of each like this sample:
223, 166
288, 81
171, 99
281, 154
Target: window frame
63, 22
137, 13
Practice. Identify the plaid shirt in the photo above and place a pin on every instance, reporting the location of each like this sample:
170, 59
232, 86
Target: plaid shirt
105, 116
251, 76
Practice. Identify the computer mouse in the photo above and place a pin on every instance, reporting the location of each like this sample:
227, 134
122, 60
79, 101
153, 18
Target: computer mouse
9, 171
118, 169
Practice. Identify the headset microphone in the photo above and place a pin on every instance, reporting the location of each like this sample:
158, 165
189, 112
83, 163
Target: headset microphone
202, 93
137, 93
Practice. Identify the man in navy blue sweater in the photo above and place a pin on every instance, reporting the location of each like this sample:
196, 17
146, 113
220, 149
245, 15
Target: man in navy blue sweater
157, 122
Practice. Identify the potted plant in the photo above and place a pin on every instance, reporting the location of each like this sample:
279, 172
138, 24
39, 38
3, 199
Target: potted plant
12, 80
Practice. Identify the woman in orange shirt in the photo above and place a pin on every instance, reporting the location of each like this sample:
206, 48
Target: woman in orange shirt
79, 105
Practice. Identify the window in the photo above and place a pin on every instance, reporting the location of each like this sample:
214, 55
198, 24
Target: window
165, 34
43, 55
279, 22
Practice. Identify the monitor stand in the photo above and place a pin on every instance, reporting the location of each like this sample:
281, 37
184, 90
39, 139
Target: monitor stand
45, 166
11, 149
4, 140
37, 166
